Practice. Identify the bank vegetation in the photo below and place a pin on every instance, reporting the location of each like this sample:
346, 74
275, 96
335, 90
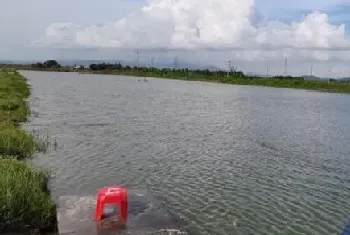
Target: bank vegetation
25, 201
218, 76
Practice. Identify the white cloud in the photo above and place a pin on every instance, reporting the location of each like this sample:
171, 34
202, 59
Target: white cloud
228, 25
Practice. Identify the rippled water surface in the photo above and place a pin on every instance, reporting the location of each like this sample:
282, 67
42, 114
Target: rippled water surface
228, 159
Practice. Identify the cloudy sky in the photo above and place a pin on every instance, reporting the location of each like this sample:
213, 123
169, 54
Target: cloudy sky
254, 34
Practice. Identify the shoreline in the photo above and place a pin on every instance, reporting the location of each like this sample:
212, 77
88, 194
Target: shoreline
25, 199
222, 77
273, 82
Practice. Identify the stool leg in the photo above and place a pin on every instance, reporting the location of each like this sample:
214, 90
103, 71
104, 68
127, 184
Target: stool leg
123, 207
123, 211
98, 210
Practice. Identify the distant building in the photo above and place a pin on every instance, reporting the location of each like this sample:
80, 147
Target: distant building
77, 67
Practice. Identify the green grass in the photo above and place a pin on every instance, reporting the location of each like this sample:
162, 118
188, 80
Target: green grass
13, 92
25, 202
16, 142
236, 78
233, 78
13, 110
24, 198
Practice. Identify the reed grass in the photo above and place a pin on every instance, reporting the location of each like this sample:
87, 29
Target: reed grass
25, 201
16, 142
24, 196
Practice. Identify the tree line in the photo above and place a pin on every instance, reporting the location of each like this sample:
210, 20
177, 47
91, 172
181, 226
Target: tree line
46, 64
118, 68
182, 72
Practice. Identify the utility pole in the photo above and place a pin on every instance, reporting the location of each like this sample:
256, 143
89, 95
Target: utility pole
175, 62
311, 72
137, 57
152, 61
229, 68
286, 66
267, 70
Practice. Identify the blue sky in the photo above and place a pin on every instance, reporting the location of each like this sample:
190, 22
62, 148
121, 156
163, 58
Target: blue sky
338, 11
340, 15
24, 22
25, 19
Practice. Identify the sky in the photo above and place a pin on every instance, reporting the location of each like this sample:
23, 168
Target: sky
257, 36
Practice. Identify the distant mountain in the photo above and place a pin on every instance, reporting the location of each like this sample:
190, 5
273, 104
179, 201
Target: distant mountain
346, 79
83, 62
251, 74
314, 78
311, 77
156, 63
160, 63
18, 61
8, 62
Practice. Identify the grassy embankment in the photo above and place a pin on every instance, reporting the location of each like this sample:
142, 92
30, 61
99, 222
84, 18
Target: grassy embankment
57, 68
236, 78
25, 202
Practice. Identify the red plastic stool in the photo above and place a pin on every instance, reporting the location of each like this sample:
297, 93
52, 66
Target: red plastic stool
112, 195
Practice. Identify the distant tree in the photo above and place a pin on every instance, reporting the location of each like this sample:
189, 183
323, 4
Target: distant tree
119, 66
101, 66
93, 66
37, 65
51, 64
